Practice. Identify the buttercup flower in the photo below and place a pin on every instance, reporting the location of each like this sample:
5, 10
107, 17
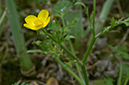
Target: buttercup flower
36, 23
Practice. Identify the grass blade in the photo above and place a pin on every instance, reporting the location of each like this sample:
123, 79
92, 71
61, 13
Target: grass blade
18, 37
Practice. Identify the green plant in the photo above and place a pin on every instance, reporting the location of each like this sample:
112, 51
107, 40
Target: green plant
122, 51
18, 83
55, 36
106, 81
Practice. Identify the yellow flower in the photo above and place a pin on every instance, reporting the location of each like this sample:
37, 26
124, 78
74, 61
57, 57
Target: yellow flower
36, 23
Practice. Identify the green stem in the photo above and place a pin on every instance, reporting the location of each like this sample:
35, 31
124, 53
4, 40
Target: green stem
50, 36
69, 70
107, 29
86, 10
2, 21
3, 16
6, 51
77, 66
120, 72
87, 13
62, 20
73, 55
65, 49
93, 39
126, 81
69, 53
102, 18
88, 50
85, 74
71, 46
78, 70
94, 18
73, 52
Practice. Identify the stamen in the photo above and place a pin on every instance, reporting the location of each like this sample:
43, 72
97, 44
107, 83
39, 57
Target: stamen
38, 23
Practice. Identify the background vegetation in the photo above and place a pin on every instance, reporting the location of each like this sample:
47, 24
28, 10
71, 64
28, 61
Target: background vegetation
103, 63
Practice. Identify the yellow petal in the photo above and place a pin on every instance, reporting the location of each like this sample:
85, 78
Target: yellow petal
43, 15
46, 22
27, 26
31, 27
30, 19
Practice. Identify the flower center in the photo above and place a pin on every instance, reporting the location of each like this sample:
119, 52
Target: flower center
37, 23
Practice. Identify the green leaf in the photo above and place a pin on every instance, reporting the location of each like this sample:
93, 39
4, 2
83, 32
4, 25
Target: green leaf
108, 81
121, 51
76, 27
114, 31
123, 48
123, 55
69, 63
113, 48
69, 37
125, 73
98, 82
61, 7
18, 83
112, 21
54, 26
125, 69
127, 20
36, 51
